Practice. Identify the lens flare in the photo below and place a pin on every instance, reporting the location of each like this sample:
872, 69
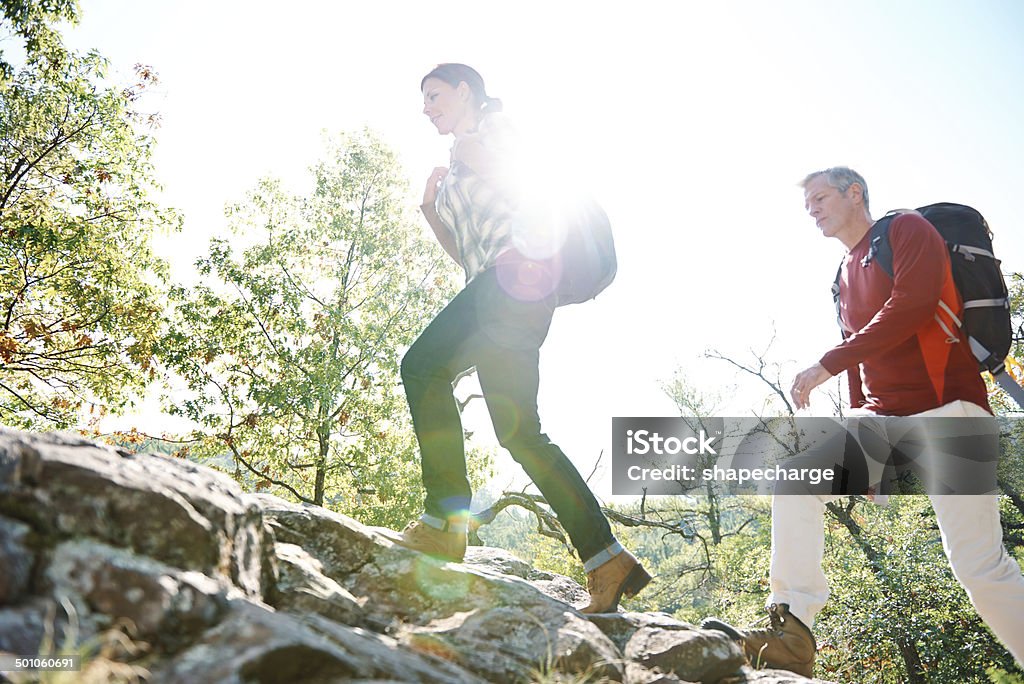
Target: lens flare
526, 279
440, 583
508, 410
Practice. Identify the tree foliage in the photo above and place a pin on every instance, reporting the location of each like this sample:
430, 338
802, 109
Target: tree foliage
897, 613
290, 346
30, 21
80, 287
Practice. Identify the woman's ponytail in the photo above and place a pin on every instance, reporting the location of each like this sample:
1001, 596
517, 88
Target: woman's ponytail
490, 105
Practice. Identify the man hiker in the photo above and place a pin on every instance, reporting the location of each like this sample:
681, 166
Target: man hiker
900, 361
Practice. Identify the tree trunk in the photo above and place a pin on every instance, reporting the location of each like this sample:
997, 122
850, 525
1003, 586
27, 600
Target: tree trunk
323, 437
714, 514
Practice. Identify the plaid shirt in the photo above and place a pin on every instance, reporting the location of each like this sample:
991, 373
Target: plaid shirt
480, 212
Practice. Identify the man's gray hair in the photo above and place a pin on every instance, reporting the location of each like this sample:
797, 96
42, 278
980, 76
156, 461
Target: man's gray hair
840, 178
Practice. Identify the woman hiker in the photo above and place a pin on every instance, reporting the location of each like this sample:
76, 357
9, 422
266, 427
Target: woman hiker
497, 323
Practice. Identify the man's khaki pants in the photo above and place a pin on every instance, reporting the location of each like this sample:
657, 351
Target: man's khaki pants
971, 537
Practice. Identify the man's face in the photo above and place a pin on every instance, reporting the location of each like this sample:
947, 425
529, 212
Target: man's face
832, 211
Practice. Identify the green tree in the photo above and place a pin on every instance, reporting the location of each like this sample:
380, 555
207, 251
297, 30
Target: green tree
290, 346
80, 287
30, 21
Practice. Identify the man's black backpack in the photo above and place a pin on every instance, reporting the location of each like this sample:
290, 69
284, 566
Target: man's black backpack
986, 313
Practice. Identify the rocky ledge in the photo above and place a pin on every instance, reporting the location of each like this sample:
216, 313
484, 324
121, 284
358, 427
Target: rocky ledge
215, 585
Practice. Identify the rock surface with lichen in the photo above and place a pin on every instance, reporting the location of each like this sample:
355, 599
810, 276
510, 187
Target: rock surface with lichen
168, 569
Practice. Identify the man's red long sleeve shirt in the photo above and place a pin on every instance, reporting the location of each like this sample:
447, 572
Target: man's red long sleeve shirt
899, 360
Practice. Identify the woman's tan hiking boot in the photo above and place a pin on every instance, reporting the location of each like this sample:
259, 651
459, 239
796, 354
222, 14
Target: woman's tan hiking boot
607, 583
419, 536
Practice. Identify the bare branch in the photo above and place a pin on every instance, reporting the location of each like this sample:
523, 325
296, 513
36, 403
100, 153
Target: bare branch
757, 373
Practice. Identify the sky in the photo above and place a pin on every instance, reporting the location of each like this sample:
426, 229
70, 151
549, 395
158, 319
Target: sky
692, 122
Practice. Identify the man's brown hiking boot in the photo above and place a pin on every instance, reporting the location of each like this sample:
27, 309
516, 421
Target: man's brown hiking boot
607, 583
419, 536
786, 644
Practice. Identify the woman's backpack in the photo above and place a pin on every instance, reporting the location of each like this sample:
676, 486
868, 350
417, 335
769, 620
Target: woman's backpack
588, 263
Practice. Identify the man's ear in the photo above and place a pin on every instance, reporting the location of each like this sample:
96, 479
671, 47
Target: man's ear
856, 191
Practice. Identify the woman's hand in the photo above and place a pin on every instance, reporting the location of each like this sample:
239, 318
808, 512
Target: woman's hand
430, 192
443, 233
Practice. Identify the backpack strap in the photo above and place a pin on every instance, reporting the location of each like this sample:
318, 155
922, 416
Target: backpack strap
880, 251
1010, 386
881, 248
951, 336
970, 252
843, 329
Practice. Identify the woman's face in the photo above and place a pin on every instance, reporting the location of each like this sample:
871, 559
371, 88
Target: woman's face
447, 106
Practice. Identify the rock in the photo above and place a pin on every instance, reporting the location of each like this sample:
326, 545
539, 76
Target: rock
24, 628
694, 655
302, 588
513, 644
659, 648
497, 560
558, 587
620, 627
16, 561
340, 544
638, 674
163, 603
229, 587
169, 509
254, 644
770, 676
417, 589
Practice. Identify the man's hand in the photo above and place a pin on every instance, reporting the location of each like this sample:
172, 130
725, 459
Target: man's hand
805, 381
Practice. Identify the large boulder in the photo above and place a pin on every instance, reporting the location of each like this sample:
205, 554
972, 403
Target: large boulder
303, 588
255, 644
518, 644
165, 605
17, 559
215, 585
168, 509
